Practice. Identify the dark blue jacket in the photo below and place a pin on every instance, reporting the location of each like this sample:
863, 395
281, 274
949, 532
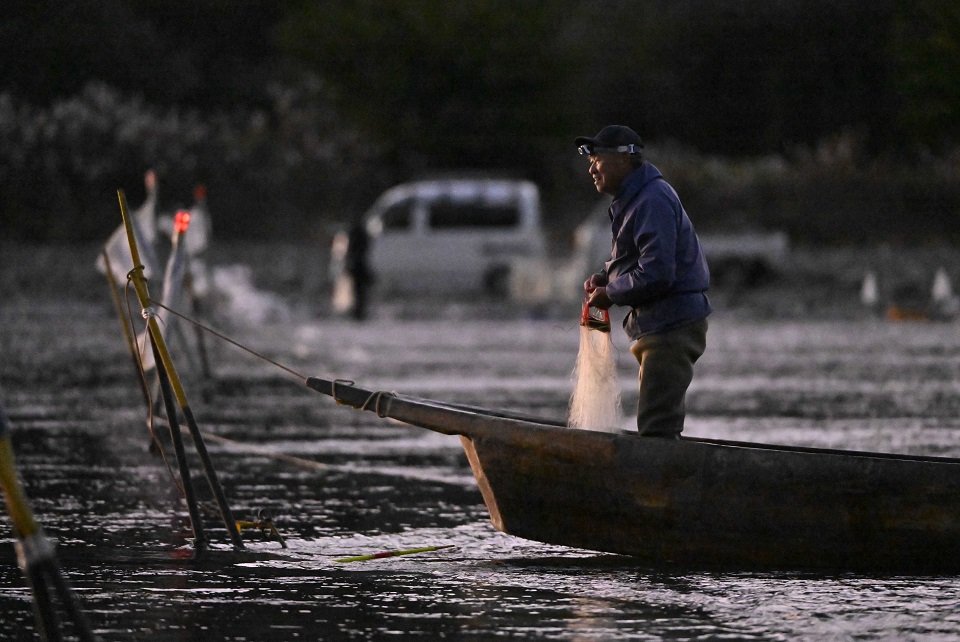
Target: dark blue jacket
656, 266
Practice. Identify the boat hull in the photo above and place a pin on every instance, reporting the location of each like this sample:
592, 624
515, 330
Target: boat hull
698, 502
701, 504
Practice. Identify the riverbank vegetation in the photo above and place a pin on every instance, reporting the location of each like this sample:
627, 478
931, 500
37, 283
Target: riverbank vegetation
837, 122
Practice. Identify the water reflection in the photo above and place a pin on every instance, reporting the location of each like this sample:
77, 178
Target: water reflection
364, 486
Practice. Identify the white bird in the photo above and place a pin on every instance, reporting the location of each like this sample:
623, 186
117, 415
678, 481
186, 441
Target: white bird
200, 226
945, 304
869, 291
941, 290
144, 223
198, 240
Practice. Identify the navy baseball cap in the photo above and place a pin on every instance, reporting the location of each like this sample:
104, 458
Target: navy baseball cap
612, 138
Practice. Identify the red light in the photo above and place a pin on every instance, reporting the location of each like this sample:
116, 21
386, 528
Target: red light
181, 221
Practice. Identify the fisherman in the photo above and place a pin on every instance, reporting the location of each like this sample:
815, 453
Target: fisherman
657, 269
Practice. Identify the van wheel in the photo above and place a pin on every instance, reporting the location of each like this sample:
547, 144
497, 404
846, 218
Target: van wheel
497, 281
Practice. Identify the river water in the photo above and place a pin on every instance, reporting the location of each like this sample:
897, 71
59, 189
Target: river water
354, 484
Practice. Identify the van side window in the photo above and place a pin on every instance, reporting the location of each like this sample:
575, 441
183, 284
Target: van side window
398, 216
449, 214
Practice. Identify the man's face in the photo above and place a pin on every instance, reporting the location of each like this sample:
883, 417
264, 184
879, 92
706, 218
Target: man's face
608, 171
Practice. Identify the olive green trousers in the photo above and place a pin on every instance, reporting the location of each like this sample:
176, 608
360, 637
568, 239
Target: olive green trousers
666, 370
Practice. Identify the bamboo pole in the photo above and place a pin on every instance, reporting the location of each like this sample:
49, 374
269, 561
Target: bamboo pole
35, 553
140, 285
189, 495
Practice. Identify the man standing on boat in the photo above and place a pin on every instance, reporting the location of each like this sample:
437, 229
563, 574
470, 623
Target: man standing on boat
657, 269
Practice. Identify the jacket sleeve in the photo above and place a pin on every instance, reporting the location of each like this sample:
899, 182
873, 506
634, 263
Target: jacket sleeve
654, 231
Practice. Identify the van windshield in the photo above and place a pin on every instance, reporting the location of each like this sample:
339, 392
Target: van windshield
451, 214
398, 216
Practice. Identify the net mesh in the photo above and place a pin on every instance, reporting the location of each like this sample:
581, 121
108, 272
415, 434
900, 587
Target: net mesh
595, 401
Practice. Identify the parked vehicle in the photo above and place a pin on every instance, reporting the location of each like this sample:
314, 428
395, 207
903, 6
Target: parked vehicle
451, 236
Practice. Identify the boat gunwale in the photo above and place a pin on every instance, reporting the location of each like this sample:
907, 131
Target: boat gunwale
330, 388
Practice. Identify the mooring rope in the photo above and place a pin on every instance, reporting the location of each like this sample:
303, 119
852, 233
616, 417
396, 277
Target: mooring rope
377, 397
224, 337
374, 397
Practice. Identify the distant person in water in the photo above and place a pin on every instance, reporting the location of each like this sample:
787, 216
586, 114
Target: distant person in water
657, 269
357, 265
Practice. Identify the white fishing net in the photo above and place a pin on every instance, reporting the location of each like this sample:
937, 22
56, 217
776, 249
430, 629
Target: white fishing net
595, 401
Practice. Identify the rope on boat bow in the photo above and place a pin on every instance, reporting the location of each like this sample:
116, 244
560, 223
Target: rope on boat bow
375, 397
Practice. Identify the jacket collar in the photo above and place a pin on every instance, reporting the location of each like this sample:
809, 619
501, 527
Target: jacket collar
632, 184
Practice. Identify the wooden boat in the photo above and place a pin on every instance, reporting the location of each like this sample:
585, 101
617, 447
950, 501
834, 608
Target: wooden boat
696, 502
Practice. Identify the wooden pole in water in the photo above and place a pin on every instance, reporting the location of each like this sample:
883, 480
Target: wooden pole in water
174, 280
124, 327
35, 553
189, 495
196, 309
140, 285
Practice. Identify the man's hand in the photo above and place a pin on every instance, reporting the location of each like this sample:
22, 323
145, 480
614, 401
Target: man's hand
595, 281
599, 299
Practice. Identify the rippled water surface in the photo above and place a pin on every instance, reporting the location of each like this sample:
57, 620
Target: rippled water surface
342, 483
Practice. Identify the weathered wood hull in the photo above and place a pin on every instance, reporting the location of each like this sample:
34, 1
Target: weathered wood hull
695, 502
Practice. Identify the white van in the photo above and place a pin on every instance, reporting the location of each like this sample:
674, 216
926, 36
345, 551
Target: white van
453, 236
